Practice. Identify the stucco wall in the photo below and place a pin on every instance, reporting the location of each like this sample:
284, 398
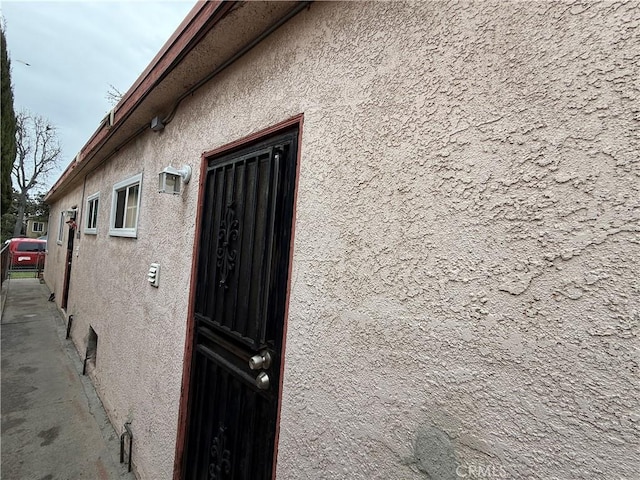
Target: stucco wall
465, 278
140, 328
57, 250
465, 286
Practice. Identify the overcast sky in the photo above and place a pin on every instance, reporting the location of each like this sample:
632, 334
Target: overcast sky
75, 50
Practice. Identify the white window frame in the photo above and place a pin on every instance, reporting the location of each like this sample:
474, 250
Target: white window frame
125, 184
61, 229
34, 229
89, 205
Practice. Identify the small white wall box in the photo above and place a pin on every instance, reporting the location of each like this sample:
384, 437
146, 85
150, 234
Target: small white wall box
154, 275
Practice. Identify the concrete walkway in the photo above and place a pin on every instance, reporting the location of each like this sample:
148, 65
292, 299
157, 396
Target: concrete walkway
53, 424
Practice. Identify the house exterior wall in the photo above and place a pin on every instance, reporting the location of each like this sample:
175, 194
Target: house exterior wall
54, 268
31, 233
464, 298
140, 329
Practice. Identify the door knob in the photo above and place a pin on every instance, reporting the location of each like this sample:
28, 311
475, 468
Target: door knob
262, 360
262, 381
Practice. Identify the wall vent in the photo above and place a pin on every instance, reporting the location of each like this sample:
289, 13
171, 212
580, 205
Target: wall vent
92, 351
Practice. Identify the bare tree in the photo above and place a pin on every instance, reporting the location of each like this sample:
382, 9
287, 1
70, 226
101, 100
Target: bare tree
38, 153
113, 95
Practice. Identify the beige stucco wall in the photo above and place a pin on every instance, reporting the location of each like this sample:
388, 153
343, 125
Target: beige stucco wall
140, 328
57, 249
465, 289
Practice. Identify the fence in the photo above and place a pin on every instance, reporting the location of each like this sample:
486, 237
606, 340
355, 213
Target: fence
5, 261
10, 266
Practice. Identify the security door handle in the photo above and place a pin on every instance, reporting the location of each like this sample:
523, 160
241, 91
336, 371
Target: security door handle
260, 361
262, 381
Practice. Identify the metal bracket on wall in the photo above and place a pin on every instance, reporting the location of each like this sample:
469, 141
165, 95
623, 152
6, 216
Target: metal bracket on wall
89, 356
127, 433
69, 323
84, 365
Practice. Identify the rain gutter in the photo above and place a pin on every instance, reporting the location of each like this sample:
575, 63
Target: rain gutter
201, 19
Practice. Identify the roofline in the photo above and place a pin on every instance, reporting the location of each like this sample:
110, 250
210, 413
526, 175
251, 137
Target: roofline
201, 19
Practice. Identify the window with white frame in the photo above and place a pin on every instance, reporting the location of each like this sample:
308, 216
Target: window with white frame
38, 227
91, 215
61, 228
125, 205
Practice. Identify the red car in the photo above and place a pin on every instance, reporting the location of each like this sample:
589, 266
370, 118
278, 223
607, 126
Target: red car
26, 253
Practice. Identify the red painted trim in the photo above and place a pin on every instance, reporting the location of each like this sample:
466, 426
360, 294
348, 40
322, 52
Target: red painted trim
200, 20
183, 413
244, 142
300, 122
66, 281
182, 29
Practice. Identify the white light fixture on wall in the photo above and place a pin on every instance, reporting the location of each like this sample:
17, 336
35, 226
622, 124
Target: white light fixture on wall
171, 178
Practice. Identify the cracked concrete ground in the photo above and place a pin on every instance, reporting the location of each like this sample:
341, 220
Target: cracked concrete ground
54, 426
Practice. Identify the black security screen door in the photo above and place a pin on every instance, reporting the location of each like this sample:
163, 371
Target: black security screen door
239, 311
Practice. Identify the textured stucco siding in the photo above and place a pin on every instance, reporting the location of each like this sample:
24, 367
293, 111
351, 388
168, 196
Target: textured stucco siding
140, 328
57, 250
465, 291
466, 283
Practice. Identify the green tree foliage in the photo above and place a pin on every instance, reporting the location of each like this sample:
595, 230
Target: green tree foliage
8, 219
8, 126
35, 208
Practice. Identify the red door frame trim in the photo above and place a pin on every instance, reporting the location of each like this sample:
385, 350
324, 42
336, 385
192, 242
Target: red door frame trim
299, 121
183, 412
66, 282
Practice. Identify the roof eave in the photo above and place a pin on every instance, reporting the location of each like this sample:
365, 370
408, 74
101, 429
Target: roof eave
202, 18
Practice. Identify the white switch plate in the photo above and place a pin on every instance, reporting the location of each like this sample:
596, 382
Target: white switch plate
153, 277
